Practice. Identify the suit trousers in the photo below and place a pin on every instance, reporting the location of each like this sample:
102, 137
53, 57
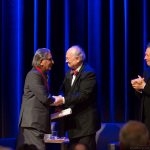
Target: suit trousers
89, 140
31, 136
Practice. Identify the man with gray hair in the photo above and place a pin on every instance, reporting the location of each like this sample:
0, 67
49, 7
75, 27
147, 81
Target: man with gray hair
141, 85
79, 91
134, 135
34, 119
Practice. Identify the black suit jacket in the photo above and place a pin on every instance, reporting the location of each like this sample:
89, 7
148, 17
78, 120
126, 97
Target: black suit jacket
35, 103
145, 100
81, 97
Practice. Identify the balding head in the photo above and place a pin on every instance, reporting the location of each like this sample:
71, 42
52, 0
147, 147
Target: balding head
75, 56
77, 51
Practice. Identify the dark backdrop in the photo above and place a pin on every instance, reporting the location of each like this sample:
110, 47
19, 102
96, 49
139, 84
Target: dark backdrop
114, 34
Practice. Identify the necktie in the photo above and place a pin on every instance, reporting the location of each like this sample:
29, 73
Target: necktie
74, 72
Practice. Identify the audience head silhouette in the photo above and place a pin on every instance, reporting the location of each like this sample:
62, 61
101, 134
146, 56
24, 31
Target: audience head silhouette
133, 133
79, 146
27, 147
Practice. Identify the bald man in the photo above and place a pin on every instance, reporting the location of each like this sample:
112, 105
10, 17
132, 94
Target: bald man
80, 93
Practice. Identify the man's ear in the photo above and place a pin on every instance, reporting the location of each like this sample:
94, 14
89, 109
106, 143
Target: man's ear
78, 59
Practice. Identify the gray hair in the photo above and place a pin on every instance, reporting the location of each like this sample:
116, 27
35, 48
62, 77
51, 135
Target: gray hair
39, 55
134, 133
79, 52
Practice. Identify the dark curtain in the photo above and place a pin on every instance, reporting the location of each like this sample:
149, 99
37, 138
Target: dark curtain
114, 34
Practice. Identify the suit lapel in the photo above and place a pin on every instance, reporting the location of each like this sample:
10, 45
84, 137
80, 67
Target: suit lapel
70, 79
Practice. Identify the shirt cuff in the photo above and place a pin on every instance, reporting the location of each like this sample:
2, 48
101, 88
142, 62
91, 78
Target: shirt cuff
52, 100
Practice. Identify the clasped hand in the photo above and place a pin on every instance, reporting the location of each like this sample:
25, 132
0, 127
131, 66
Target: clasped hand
59, 100
138, 83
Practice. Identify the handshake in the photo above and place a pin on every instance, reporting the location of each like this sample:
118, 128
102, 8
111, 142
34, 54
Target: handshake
138, 84
58, 100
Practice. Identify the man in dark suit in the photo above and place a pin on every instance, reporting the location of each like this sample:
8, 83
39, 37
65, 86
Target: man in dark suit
34, 116
80, 94
142, 88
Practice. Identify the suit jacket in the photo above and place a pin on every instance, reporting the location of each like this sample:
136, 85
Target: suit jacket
35, 103
81, 97
145, 100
